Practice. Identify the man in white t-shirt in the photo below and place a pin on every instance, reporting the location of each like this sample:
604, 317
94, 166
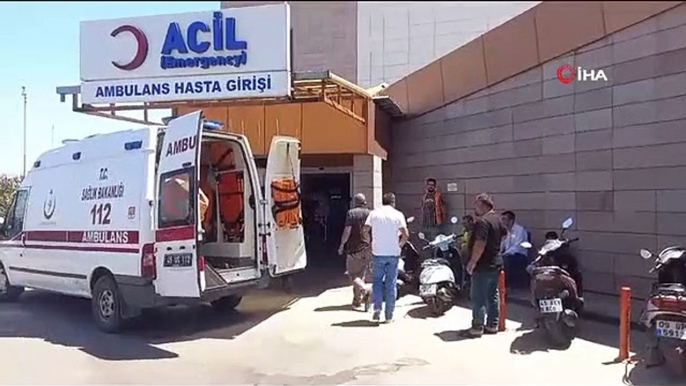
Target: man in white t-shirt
389, 234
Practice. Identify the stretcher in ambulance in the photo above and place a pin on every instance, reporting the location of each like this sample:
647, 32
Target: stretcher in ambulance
151, 217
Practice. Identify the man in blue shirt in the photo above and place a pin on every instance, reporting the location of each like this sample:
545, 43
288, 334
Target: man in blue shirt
514, 255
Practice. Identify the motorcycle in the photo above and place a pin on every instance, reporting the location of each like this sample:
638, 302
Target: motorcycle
438, 286
664, 314
408, 269
554, 290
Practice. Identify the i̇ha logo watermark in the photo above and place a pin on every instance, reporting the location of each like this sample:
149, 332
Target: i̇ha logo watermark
567, 74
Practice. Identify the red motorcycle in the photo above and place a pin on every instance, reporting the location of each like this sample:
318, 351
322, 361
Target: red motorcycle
555, 289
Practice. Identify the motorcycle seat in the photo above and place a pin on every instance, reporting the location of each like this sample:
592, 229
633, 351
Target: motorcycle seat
671, 287
434, 262
549, 270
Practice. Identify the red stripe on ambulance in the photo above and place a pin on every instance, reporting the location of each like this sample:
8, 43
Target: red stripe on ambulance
87, 237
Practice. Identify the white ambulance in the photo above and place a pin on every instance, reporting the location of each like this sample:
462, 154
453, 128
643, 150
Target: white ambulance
152, 217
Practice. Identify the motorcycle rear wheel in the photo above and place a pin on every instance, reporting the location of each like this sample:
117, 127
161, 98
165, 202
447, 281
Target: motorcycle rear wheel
440, 306
559, 334
676, 362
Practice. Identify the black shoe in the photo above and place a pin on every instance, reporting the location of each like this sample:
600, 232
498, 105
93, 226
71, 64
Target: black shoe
367, 301
474, 332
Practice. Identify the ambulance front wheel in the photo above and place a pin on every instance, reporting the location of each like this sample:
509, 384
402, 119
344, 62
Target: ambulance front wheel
227, 303
106, 304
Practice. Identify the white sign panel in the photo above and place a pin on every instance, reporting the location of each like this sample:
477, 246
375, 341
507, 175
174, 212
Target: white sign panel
452, 187
202, 46
262, 85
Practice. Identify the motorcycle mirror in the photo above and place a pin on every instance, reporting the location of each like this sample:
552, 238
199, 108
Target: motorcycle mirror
526, 245
410, 219
568, 223
646, 254
453, 220
421, 236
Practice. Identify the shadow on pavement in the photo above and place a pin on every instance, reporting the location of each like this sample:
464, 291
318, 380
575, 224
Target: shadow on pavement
640, 375
601, 333
454, 336
356, 323
423, 312
531, 342
342, 307
67, 321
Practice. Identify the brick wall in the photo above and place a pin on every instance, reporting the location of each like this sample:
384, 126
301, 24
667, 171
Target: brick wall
613, 155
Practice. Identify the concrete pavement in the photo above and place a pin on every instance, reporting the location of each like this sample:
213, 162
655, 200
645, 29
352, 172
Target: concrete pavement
277, 338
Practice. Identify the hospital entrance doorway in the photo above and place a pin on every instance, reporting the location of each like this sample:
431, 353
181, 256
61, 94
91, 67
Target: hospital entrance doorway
325, 200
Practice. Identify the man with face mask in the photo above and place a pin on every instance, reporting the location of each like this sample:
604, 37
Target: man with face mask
433, 210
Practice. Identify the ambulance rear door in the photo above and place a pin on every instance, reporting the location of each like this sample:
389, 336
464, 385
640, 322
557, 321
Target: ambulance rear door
177, 217
285, 238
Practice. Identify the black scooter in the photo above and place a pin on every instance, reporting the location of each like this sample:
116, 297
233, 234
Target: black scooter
409, 267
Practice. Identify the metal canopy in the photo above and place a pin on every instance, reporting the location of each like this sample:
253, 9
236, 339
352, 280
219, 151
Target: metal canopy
309, 86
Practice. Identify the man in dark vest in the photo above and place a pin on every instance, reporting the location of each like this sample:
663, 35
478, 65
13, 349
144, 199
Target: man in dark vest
355, 243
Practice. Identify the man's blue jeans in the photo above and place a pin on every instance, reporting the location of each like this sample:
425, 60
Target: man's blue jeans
384, 285
485, 298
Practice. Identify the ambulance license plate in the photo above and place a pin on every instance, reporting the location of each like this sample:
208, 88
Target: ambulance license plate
178, 260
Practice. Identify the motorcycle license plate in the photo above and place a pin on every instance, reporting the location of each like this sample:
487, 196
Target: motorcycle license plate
427, 290
670, 329
548, 306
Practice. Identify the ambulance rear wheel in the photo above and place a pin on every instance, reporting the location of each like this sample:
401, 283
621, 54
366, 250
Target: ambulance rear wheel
106, 304
227, 303
8, 293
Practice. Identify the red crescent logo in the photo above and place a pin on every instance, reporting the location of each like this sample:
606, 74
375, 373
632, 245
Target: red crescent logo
141, 52
566, 79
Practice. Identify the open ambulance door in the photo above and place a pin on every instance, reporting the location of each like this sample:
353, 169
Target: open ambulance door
176, 217
285, 238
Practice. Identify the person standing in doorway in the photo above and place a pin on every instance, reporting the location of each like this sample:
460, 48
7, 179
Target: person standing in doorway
515, 256
433, 210
389, 234
484, 266
356, 245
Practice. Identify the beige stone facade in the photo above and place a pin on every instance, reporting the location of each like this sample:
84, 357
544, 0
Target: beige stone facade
492, 116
